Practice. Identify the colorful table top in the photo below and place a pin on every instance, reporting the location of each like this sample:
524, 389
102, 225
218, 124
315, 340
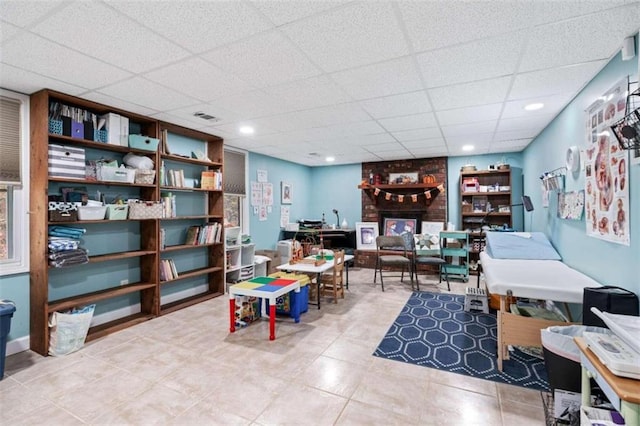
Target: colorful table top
265, 286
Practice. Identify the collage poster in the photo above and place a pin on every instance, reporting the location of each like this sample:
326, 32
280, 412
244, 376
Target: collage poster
606, 169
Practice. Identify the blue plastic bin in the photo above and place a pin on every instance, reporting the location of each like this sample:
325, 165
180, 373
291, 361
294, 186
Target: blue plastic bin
7, 308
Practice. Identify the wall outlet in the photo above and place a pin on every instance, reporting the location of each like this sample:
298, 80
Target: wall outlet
124, 282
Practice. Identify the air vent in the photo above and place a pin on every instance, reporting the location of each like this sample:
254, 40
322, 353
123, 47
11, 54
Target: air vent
206, 116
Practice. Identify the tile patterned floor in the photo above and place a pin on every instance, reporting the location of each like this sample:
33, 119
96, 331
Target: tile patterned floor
186, 369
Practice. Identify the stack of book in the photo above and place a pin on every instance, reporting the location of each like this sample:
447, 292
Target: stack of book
211, 180
204, 234
168, 270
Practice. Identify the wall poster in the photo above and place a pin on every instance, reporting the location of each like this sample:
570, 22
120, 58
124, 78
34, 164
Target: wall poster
606, 169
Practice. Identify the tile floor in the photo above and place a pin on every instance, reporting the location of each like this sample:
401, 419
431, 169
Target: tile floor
185, 368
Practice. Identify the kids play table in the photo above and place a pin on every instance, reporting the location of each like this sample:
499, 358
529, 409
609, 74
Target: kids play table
268, 288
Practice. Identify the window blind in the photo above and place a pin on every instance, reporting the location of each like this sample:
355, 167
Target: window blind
234, 173
10, 173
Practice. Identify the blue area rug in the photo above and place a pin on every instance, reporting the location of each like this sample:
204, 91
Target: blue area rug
433, 330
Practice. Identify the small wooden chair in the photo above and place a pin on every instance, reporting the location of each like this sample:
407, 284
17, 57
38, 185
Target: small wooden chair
333, 283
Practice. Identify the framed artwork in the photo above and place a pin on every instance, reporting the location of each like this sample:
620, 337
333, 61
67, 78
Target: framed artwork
397, 178
394, 226
366, 234
286, 193
432, 228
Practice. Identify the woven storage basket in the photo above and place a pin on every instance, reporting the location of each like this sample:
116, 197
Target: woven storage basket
145, 210
145, 176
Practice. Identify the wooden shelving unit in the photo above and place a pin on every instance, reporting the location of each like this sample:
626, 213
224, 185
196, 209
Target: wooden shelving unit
137, 287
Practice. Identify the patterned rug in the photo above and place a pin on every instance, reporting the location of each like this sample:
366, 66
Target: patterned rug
433, 330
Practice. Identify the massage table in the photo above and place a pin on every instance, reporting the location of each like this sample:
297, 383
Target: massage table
525, 265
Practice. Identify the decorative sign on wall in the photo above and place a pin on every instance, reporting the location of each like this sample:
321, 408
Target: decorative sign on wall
571, 205
606, 171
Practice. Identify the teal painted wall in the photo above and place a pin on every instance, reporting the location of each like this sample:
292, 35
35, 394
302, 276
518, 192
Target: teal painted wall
336, 187
16, 288
605, 262
265, 234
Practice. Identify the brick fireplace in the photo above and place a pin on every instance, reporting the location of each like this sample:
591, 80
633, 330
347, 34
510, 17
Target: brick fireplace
375, 208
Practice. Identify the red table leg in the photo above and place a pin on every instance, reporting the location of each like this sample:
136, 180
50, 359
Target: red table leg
232, 314
272, 321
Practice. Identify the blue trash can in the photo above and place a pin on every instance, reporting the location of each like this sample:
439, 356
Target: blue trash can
7, 308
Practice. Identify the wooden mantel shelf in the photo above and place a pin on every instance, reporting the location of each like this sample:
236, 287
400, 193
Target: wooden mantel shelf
399, 186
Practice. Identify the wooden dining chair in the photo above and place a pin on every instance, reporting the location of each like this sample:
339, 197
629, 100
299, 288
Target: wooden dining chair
332, 283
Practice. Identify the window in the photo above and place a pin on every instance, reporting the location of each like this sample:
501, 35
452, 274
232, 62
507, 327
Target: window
14, 182
235, 197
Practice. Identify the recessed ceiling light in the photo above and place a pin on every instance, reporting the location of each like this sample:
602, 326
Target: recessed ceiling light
330, 159
246, 130
534, 107
467, 147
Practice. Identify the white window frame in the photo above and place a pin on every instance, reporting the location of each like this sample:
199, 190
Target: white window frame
19, 208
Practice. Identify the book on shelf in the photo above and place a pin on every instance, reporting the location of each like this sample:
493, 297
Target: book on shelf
162, 239
176, 178
168, 270
192, 235
211, 179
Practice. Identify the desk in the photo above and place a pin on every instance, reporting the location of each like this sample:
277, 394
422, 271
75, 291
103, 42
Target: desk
332, 238
310, 268
623, 393
264, 288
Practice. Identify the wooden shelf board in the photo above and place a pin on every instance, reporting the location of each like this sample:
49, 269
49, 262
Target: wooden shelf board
473, 194
68, 140
194, 273
110, 327
181, 159
493, 214
485, 172
183, 303
100, 182
400, 186
96, 296
186, 247
202, 216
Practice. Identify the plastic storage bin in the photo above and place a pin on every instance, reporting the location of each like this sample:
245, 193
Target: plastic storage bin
117, 174
91, 213
562, 355
7, 308
117, 211
143, 142
286, 303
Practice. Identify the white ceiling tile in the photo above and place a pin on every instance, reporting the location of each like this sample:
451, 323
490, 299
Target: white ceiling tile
396, 148
554, 11
442, 151
58, 62
573, 45
417, 134
470, 94
234, 128
118, 103
23, 81
469, 129
252, 104
24, 13
284, 12
476, 60
224, 116
435, 24
358, 34
335, 114
310, 93
408, 122
384, 79
366, 139
397, 105
533, 122
7, 32
205, 81
552, 105
469, 114
149, 94
474, 139
515, 134
264, 60
557, 81
424, 144
197, 25
90, 29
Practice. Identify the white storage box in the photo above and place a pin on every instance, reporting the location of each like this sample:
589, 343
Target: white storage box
66, 161
91, 213
117, 211
117, 174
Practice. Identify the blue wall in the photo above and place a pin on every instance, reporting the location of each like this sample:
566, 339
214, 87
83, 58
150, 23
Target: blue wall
606, 262
336, 187
16, 288
265, 234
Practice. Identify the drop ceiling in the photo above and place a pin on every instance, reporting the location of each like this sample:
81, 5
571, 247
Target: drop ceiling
358, 80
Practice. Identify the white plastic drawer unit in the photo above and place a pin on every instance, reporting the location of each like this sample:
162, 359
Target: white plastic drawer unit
66, 162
